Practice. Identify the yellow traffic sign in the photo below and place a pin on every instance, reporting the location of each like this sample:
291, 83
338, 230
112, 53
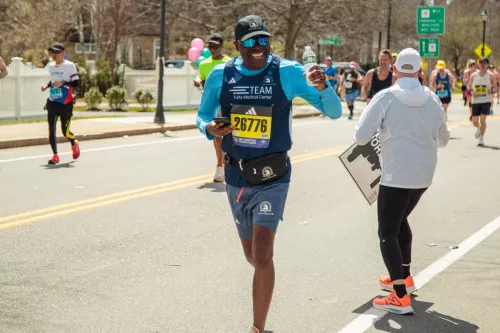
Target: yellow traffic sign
487, 51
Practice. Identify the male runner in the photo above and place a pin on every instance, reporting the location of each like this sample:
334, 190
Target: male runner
63, 78
350, 84
483, 85
215, 45
442, 83
3, 69
255, 93
412, 126
379, 78
331, 73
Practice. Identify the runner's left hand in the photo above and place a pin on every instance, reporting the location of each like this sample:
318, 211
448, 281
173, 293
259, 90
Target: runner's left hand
318, 77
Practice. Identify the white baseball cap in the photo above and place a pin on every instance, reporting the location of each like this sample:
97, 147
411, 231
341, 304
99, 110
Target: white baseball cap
409, 58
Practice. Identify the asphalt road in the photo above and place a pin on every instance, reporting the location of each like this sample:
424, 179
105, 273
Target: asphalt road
134, 237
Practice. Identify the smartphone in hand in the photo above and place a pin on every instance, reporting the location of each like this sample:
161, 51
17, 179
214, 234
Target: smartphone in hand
226, 121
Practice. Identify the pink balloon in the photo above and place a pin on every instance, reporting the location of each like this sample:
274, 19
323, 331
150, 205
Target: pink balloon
194, 53
198, 43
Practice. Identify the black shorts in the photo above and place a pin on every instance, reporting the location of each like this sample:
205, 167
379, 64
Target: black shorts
481, 109
445, 100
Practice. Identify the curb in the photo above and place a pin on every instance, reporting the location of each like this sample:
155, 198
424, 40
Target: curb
17, 143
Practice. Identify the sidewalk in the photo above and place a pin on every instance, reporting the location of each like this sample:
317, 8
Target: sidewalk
22, 135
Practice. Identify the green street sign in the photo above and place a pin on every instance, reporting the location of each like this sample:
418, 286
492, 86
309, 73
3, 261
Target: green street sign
430, 20
429, 47
331, 40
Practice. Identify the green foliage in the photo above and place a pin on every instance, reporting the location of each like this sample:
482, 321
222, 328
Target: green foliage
144, 98
117, 98
102, 79
93, 98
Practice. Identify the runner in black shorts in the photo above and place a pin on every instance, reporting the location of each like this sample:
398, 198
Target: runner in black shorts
483, 86
63, 78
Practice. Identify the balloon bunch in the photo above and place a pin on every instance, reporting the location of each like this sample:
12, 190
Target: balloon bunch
198, 52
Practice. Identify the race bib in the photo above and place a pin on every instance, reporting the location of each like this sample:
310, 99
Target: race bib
442, 93
252, 126
56, 93
481, 90
348, 85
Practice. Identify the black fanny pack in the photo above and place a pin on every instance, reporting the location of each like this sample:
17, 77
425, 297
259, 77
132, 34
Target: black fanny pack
262, 170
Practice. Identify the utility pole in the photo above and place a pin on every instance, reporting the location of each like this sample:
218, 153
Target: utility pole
160, 115
389, 25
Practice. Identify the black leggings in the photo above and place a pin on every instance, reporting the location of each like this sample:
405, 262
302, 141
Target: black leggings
54, 111
394, 206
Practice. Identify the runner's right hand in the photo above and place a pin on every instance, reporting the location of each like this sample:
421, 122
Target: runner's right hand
44, 87
196, 84
219, 129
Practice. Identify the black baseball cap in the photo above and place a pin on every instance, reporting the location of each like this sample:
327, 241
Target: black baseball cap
56, 48
215, 39
486, 60
250, 26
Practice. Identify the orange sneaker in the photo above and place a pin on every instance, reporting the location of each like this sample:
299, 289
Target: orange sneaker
386, 283
392, 303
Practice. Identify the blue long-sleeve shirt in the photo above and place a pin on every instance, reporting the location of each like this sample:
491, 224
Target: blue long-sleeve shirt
292, 81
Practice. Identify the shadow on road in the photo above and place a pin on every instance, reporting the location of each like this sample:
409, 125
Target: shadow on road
489, 147
215, 187
58, 166
422, 321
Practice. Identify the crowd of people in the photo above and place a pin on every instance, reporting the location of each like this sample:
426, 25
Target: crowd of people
246, 109
480, 83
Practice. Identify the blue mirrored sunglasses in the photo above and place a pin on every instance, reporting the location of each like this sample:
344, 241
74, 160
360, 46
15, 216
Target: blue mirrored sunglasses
250, 42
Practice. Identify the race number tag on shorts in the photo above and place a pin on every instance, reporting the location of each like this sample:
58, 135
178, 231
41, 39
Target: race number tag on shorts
56, 92
481, 90
253, 126
442, 93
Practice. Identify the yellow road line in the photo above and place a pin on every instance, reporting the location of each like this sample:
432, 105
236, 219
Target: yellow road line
106, 200
102, 204
101, 198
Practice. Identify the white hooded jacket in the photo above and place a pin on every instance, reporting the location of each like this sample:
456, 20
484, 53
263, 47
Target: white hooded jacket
412, 125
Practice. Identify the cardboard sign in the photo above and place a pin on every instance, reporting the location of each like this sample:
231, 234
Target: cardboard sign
363, 164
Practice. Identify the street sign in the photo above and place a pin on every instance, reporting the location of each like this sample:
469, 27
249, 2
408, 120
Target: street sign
429, 47
487, 50
331, 40
430, 20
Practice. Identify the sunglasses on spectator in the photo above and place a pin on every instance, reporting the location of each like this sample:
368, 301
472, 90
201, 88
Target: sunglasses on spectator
212, 46
250, 42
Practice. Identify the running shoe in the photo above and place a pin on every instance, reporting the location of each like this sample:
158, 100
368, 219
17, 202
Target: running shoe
219, 175
54, 159
76, 150
477, 134
392, 303
350, 116
481, 142
254, 330
386, 283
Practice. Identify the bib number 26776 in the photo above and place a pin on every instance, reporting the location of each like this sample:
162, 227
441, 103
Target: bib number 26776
252, 126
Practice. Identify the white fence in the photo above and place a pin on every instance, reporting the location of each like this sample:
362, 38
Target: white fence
21, 97
178, 89
20, 94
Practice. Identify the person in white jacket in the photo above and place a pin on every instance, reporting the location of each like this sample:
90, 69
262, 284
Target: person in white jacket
412, 125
